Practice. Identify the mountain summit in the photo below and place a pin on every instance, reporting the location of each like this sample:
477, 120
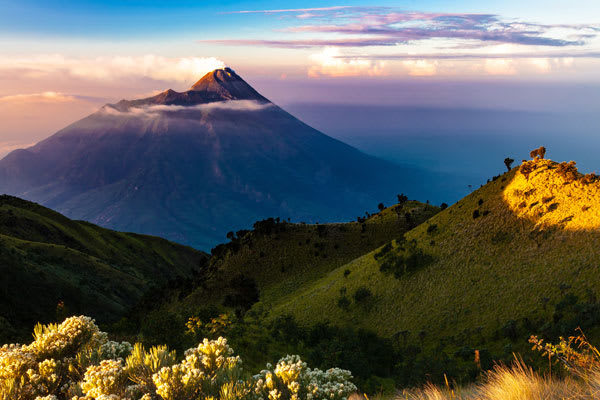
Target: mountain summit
191, 166
226, 83
219, 85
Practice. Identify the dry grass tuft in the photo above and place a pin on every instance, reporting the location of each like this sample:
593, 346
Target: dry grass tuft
520, 382
517, 382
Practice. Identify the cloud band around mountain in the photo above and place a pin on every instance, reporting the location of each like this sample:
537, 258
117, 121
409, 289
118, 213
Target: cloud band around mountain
157, 110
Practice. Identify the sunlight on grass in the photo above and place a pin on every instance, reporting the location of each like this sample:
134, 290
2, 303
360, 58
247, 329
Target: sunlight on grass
548, 193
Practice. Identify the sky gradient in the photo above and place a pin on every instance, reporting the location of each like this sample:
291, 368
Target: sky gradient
59, 61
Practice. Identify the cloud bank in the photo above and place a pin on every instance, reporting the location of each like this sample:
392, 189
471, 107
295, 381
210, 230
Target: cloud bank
157, 110
373, 41
151, 66
44, 97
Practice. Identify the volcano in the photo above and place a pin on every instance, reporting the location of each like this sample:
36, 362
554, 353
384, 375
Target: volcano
191, 166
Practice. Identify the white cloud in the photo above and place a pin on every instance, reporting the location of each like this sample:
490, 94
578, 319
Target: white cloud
155, 110
44, 97
543, 65
330, 63
500, 66
420, 67
183, 69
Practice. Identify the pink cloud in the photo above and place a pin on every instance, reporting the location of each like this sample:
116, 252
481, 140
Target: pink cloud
385, 26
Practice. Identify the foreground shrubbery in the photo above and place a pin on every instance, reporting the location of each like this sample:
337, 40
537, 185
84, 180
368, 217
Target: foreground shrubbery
75, 360
519, 382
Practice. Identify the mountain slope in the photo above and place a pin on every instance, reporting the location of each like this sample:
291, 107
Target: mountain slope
190, 166
280, 258
520, 254
102, 273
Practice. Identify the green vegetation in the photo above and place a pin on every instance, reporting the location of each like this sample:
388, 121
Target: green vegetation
431, 294
407, 295
274, 261
74, 360
277, 259
482, 283
576, 376
53, 266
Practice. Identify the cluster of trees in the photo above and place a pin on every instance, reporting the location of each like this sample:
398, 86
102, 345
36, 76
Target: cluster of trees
407, 258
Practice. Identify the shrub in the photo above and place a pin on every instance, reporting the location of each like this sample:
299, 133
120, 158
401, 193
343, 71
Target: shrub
322, 230
413, 259
527, 168
568, 171
74, 360
538, 153
362, 294
244, 293
343, 303
291, 379
443, 206
501, 237
508, 162
383, 251
588, 179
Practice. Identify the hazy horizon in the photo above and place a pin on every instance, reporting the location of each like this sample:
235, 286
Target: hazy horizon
58, 64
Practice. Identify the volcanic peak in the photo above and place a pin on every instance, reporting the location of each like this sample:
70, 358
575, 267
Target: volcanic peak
222, 84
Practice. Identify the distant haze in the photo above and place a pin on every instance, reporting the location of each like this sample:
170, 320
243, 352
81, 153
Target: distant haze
460, 129
466, 146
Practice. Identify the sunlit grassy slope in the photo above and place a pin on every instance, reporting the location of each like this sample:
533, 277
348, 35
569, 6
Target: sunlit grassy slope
507, 251
286, 258
46, 258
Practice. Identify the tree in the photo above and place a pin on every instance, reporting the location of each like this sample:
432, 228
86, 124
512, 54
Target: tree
362, 294
508, 162
402, 198
381, 207
538, 153
230, 235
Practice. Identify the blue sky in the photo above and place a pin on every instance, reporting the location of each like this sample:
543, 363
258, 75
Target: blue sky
158, 18
65, 58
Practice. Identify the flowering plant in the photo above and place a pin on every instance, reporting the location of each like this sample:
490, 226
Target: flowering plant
74, 360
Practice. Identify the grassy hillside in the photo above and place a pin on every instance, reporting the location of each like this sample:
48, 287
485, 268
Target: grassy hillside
519, 256
47, 258
273, 262
277, 258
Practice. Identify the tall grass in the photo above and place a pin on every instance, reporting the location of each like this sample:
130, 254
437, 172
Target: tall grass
517, 382
520, 382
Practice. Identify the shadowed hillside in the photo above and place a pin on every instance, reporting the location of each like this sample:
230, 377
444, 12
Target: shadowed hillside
47, 258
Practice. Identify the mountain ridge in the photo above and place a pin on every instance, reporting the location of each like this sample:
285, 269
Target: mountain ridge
482, 251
